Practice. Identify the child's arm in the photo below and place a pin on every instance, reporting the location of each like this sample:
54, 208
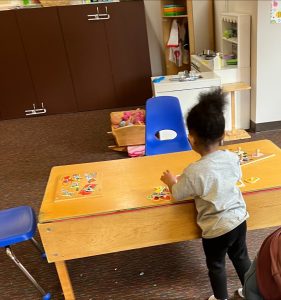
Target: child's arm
179, 186
169, 179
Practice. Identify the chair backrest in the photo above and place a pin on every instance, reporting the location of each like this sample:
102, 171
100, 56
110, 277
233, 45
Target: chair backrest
164, 113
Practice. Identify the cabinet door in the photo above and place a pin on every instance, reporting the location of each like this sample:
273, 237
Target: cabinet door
46, 55
17, 93
129, 53
88, 57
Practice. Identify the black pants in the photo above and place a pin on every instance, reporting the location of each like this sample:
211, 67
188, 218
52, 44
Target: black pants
234, 244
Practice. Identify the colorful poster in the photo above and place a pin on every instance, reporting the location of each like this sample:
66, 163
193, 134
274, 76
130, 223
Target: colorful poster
275, 12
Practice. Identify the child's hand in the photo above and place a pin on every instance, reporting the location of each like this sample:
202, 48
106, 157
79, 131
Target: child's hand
169, 179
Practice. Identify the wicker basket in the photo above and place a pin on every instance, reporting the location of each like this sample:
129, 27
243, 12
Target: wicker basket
46, 3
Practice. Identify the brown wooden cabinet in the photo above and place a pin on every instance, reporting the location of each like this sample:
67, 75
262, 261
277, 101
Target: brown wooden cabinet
128, 51
58, 57
109, 58
45, 52
87, 49
16, 86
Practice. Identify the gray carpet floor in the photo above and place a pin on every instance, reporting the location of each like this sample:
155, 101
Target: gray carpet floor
29, 148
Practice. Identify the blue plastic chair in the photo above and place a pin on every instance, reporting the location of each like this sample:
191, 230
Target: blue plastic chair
164, 113
18, 225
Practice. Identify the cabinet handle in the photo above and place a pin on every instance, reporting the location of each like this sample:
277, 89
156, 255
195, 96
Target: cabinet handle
36, 111
98, 16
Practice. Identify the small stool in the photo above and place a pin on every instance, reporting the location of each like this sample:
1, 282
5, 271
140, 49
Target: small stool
235, 134
18, 225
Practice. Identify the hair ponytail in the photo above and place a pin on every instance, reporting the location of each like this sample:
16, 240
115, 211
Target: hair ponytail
206, 118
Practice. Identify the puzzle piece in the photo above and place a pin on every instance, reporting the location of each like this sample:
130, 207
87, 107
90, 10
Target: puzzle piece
252, 179
257, 153
66, 193
88, 189
160, 193
246, 158
77, 177
240, 183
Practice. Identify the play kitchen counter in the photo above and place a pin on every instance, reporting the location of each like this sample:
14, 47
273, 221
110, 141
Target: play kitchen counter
187, 91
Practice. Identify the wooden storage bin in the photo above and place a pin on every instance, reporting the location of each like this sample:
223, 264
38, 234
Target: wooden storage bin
128, 135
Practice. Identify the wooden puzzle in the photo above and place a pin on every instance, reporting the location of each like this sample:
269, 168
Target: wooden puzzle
246, 158
160, 193
77, 186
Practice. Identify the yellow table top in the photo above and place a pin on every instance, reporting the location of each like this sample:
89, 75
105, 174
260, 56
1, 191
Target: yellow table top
125, 184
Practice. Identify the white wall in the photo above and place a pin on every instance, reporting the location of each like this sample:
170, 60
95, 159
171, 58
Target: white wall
201, 25
220, 6
268, 95
155, 35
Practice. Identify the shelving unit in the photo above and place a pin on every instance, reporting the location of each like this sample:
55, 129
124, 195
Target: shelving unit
238, 27
231, 40
172, 68
236, 39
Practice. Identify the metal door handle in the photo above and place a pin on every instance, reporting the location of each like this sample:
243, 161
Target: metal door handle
98, 16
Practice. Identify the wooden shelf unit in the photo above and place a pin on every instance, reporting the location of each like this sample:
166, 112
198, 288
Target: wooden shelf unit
172, 68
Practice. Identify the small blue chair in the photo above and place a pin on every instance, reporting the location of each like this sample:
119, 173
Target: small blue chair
164, 113
17, 225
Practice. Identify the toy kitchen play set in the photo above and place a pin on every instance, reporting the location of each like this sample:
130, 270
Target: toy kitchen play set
210, 69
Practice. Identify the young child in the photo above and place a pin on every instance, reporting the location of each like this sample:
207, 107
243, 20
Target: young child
212, 181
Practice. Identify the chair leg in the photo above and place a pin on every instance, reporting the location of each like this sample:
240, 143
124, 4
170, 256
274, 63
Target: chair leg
12, 256
38, 247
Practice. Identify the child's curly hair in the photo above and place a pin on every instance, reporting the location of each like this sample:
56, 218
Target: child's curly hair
206, 119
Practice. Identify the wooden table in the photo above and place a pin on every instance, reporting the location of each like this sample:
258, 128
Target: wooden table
121, 217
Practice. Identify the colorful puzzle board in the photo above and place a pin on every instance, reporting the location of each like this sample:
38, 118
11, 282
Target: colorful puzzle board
160, 193
246, 158
78, 186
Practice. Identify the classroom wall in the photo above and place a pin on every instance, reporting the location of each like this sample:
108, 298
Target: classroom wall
268, 98
201, 15
155, 35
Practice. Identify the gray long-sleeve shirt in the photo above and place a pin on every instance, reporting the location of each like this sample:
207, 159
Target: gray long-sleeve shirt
212, 182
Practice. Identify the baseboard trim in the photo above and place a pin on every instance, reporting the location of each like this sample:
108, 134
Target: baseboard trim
255, 127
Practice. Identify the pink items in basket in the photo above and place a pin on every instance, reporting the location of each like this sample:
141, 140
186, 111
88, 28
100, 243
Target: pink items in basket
135, 151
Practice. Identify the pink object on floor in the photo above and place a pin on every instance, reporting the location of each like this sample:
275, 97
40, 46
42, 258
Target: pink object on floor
135, 151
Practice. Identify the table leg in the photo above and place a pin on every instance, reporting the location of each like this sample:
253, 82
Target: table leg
233, 126
65, 280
